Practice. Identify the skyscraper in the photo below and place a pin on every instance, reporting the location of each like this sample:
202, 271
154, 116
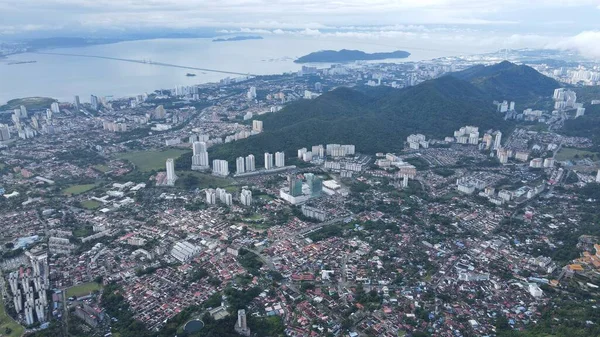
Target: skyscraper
279, 159
315, 184
23, 110
250, 163
94, 102
598, 177
295, 186
171, 177
268, 161
77, 103
199, 156
239, 165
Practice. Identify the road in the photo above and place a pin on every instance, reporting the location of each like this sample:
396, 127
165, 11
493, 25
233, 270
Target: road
151, 63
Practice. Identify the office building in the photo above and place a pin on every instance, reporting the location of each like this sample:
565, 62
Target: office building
315, 184
250, 163
268, 161
220, 167
239, 165
279, 159
199, 156
295, 186
94, 102
257, 126
246, 197
171, 177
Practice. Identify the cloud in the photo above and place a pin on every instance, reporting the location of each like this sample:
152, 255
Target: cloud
586, 43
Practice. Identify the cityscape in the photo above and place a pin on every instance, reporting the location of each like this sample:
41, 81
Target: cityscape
453, 196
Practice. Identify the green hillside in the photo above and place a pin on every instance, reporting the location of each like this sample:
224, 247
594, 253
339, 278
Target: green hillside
380, 119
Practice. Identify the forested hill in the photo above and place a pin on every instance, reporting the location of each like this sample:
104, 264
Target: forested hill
370, 121
380, 119
508, 81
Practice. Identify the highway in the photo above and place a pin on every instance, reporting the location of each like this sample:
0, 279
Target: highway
150, 63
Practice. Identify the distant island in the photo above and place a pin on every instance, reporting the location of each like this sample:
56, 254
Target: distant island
346, 55
238, 38
190, 75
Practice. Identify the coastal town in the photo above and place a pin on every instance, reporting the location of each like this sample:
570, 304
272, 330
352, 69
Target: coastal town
122, 214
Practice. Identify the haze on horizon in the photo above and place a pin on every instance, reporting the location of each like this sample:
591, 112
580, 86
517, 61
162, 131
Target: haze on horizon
563, 24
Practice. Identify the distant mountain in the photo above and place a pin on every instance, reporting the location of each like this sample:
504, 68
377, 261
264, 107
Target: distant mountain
508, 81
238, 38
346, 55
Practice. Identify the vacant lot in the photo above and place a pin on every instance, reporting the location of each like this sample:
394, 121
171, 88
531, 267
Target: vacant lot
567, 153
83, 289
151, 160
78, 189
8, 324
191, 180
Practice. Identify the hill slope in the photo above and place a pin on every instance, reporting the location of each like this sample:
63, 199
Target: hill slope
371, 121
508, 81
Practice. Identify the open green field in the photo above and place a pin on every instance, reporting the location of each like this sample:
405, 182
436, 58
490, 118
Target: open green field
78, 189
91, 204
151, 160
567, 153
83, 289
7, 323
29, 103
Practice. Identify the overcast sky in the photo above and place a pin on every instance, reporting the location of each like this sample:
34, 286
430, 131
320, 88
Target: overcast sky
564, 23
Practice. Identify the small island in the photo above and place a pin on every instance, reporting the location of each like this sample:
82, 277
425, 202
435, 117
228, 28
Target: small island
238, 38
190, 74
345, 55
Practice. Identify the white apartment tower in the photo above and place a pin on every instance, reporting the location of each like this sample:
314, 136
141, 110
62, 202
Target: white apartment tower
239, 165
250, 163
246, 197
200, 156
498, 140
268, 161
257, 126
279, 159
171, 177
598, 177
220, 167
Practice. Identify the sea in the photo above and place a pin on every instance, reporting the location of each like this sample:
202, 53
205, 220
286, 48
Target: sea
66, 75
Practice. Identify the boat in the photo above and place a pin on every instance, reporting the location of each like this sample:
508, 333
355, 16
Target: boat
190, 74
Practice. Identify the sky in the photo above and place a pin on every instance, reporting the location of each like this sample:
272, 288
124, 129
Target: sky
566, 24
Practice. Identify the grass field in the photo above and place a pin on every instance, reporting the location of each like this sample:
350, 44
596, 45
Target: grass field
7, 322
151, 160
78, 189
567, 153
83, 289
91, 204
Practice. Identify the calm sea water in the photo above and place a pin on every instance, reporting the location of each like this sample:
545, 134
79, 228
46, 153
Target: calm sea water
62, 77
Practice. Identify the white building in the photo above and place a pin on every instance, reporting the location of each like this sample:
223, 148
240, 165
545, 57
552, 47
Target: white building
498, 140
250, 163
279, 159
220, 167
171, 177
239, 165
246, 197
184, 251
54, 107
598, 177
268, 161
580, 112
199, 156
211, 196
257, 126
